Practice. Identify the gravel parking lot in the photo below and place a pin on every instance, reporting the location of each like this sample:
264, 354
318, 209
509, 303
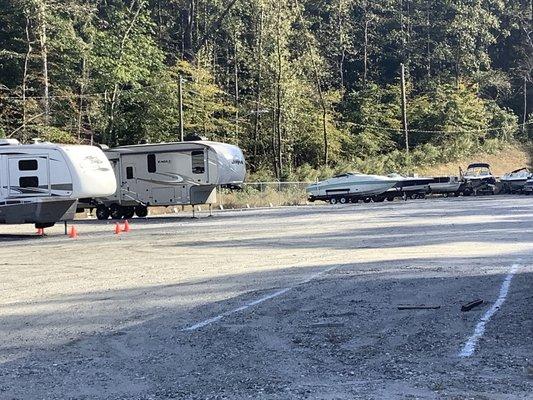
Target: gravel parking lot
286, 303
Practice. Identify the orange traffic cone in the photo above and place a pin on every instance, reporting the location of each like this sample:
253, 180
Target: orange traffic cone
117, 228
126, 226
73, 234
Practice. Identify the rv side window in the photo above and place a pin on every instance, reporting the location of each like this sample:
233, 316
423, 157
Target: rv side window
197, 158
129, 173
28, 182
28, 165
151, 162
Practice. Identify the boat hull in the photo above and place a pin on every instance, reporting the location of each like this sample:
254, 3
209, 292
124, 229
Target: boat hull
326, 191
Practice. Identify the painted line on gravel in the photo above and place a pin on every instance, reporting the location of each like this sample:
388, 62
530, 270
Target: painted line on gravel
470, 346
256, 302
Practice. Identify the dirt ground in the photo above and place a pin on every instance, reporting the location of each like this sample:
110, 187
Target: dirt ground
287, 303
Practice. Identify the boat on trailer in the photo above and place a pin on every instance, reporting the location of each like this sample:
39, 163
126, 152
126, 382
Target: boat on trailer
516, 180
350, 187
478, 179
446, 185
41, 183
409, 186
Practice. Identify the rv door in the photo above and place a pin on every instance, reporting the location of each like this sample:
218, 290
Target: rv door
29, 176
199, 166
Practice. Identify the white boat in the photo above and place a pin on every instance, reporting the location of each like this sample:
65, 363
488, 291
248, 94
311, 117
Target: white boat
41, 183
478, 178
348, 187
515, 181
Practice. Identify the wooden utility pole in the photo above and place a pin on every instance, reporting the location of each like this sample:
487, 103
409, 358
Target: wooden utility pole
524, 117
180, 104
404, 111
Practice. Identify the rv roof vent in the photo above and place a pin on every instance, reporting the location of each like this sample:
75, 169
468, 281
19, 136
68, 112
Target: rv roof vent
7, 142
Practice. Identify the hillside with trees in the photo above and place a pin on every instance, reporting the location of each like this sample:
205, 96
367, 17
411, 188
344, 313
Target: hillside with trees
300, 85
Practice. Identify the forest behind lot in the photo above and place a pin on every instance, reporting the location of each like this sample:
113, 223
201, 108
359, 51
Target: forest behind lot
304, 87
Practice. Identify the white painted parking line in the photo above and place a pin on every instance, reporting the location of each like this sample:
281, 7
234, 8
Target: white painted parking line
470, 346
256, 302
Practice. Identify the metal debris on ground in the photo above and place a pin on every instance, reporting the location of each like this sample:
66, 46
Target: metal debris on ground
472, 304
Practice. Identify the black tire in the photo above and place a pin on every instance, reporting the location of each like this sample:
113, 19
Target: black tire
367, 200
102, 212
379, 199
390, 198
343, 200
128, 212
457, 194
333, 200
116, 211
142, 211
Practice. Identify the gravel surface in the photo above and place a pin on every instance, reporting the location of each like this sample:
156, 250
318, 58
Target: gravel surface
286, 303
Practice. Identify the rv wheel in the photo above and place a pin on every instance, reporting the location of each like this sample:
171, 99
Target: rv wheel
102, 212
128, 212
141, 211
333, 200
115, 211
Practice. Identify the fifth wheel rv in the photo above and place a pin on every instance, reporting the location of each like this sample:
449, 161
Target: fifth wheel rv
164, 174
41, 183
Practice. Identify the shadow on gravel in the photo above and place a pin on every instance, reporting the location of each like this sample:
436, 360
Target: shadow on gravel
5, 237
339, 336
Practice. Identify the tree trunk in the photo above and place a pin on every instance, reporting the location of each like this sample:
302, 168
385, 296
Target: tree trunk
236, 87
44, 58
428, 39
524, 118
188, 46
365, 46
258, 86
116, 87
83, 82
25, 76
278, 97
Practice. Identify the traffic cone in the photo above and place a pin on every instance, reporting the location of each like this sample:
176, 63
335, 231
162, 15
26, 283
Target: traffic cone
73, 234
126, 226
117, 228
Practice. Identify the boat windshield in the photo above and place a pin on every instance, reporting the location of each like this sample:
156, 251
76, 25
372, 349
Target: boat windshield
343, 175
478, 171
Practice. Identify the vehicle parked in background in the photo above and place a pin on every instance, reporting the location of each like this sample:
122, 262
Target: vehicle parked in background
41, 183
164, 174
446, 185
514, 182
478, 179
350, 187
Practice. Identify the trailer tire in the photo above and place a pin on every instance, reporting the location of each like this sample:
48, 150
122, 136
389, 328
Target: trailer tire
367, 200
102, 212
333, 200
128, 212
390, 198
115, 211
142, 211
343, 200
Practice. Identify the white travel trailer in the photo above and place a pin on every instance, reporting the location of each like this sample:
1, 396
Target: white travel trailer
164, 174
41, 183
